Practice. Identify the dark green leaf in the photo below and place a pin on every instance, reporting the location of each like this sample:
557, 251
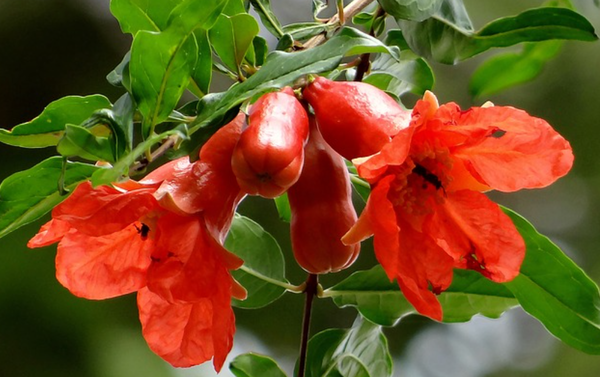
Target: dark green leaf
202, 75
447, 38
268, 18
414, 10
261, 49
47, 129
507, 70
78, 141
120, 75
160, 67
361, 351
263, 263
556, 291
136, 15
232, 36
382, 302
28, 195
123, 112
253, 365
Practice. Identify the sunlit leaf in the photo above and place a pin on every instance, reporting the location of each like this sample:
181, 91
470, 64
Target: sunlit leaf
414, 10
46, 129
136, 15
78, 141
263, 262
283, 208
553, 289
507, 70
190, 15
28, 195
447, 37
361, 351
253, 365
268, 18
232, 36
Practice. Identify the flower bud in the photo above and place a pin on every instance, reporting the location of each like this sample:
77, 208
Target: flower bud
355, 118
269, 156
322, 210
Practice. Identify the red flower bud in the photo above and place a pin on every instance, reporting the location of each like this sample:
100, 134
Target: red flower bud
322, 210
355, 118
269, 155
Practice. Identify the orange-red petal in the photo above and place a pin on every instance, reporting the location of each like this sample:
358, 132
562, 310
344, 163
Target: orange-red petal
51, 232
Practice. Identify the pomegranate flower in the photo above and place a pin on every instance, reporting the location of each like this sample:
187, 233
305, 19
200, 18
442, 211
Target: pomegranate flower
161, 237
427, 211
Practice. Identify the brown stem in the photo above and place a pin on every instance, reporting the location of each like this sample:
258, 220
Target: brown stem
312, 284
168, 144
349, 11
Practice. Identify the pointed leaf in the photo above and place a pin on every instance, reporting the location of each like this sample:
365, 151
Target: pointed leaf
28, 195
263, 263
232, 36
136, 15
268, 18
190, 15
414, 10
361, 351
202, 75
253, 365
556, 291
81, 142
46, 129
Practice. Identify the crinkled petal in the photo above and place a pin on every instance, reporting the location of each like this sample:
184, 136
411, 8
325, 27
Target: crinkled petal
182, 334
394, 153
103, 267
522, 152
478, 235
104, 210
51, 232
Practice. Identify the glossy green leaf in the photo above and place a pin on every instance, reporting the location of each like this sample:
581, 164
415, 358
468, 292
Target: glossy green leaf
553, 289
78, 141
253, 365
414, 10
281, 69
382, 302
120, 169
160, 67
232, 36
28, 195
361, 351
260, 50
123, 113
446, 37
46, 129
283, 207
235, 7
136, 15
507, 70
268, 18
190, 15
120, 75
304, 30
263, 273
202, 74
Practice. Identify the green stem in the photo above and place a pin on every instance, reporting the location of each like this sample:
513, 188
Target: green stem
288, 287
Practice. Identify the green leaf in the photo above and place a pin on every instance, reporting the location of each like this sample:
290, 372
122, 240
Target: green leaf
253, 365
447, 37
232, 36
46, 129
281, 69
553, 289
304, 30
268, 18
318, 6
136, 15
414, 10
28, 195
160, 67
78, 141
361, 351
283, 207
382, 302
505, 71
263, 273
120, 75
190, 15
261, 50
202, 74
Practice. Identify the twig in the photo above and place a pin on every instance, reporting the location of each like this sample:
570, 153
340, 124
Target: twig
312, 287
164, 147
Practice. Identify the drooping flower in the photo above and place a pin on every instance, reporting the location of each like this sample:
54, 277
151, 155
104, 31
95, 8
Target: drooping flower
161, 237
427, 210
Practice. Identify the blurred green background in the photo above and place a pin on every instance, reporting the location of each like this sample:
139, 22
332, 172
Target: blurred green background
53, 48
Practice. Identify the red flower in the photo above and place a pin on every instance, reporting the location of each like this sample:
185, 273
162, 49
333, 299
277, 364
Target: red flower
427, 211
162, 237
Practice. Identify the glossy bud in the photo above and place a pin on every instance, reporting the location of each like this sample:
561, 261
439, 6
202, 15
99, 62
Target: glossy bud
355, 118
322, 210
269, 156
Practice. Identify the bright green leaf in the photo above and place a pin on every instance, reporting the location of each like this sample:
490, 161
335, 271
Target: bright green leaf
78, 141
263, 273
414, 10
446, 37
190, 15
253, 365
283, 207
361, 351
28, 195
268, 18
505, 71
232, 36
46, 129
160, 67
136, 15
553, 289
